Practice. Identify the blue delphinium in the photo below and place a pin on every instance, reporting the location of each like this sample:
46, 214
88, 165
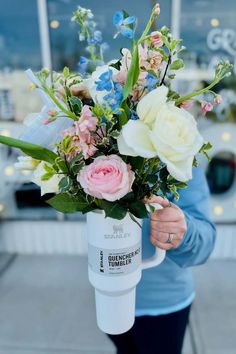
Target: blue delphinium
104, 82
151, 81
83, 65
114, 98
123, 23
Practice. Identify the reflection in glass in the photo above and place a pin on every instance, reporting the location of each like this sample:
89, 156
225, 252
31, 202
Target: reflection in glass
66, 48
221, 172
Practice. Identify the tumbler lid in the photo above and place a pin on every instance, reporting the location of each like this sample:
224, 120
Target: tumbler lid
115, 311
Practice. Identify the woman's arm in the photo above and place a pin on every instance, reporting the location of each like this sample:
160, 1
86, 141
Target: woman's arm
188, 220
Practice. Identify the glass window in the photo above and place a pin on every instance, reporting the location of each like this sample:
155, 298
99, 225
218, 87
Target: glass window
208, 29
66, 48
19, 35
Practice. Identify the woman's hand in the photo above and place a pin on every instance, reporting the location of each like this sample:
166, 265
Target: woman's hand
168, 225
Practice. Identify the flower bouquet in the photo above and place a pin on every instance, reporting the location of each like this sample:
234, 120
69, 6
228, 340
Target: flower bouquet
109, 137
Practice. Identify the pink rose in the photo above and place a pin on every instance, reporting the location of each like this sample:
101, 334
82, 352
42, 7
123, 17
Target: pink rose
206, 107
156, 39
108, 177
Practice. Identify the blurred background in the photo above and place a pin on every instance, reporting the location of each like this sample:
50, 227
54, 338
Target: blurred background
46, 304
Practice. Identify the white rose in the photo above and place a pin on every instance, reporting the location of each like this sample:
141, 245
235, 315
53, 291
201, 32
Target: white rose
176, 140
134, 140
90, 83
26, 163
149, 105
49, 186
173, 137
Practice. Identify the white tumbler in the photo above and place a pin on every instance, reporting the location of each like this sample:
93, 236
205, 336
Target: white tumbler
114, 268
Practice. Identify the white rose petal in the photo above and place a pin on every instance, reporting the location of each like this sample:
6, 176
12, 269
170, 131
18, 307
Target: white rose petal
150, 104
49, 186
176, 140
135, 140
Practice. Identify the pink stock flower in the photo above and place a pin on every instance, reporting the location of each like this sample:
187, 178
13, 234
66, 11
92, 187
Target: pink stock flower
206, 107
156, 39
82, 137
122, 76
186, 104
108, 177
154, 60
218, 99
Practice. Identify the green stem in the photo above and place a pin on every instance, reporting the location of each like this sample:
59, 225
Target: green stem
196, 93
147, 29
59, 105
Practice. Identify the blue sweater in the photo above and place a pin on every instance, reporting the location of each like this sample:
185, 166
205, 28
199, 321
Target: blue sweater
169, 287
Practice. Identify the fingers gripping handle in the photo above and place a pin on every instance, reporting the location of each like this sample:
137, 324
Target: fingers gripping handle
159, 255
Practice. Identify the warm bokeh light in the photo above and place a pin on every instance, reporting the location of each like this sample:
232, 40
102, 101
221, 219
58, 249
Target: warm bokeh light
2, 207
5, 132
9, 170
54, 24
218, 210
226, 136
215, 22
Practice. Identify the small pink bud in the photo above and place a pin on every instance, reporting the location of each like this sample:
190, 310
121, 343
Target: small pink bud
46, 122
218, 99
206, 107
157, 9
52, 112
186, 104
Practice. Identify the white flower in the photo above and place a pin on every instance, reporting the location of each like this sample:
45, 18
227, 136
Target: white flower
176, 139
150, 104
26, 163
49, 186
134, 140
90, 83
167, 132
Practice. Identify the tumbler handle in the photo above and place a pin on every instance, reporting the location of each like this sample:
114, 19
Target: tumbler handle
160, 254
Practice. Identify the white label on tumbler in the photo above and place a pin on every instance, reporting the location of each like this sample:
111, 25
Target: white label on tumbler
114, 262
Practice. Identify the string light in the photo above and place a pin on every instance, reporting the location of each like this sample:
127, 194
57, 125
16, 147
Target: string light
215, 22
9, 171
226, 136
54, 24
218, 210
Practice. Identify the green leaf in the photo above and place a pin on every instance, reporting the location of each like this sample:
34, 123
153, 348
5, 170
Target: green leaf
47, 176
137, 163
35, 151
128, 197
76, 104
67, 203
61, 164
152, 178
65, 184
115, 134
66, 72
177, 64
133, 73
112, 210
138, 209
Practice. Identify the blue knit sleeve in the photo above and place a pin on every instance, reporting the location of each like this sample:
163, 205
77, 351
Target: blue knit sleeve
198, 241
